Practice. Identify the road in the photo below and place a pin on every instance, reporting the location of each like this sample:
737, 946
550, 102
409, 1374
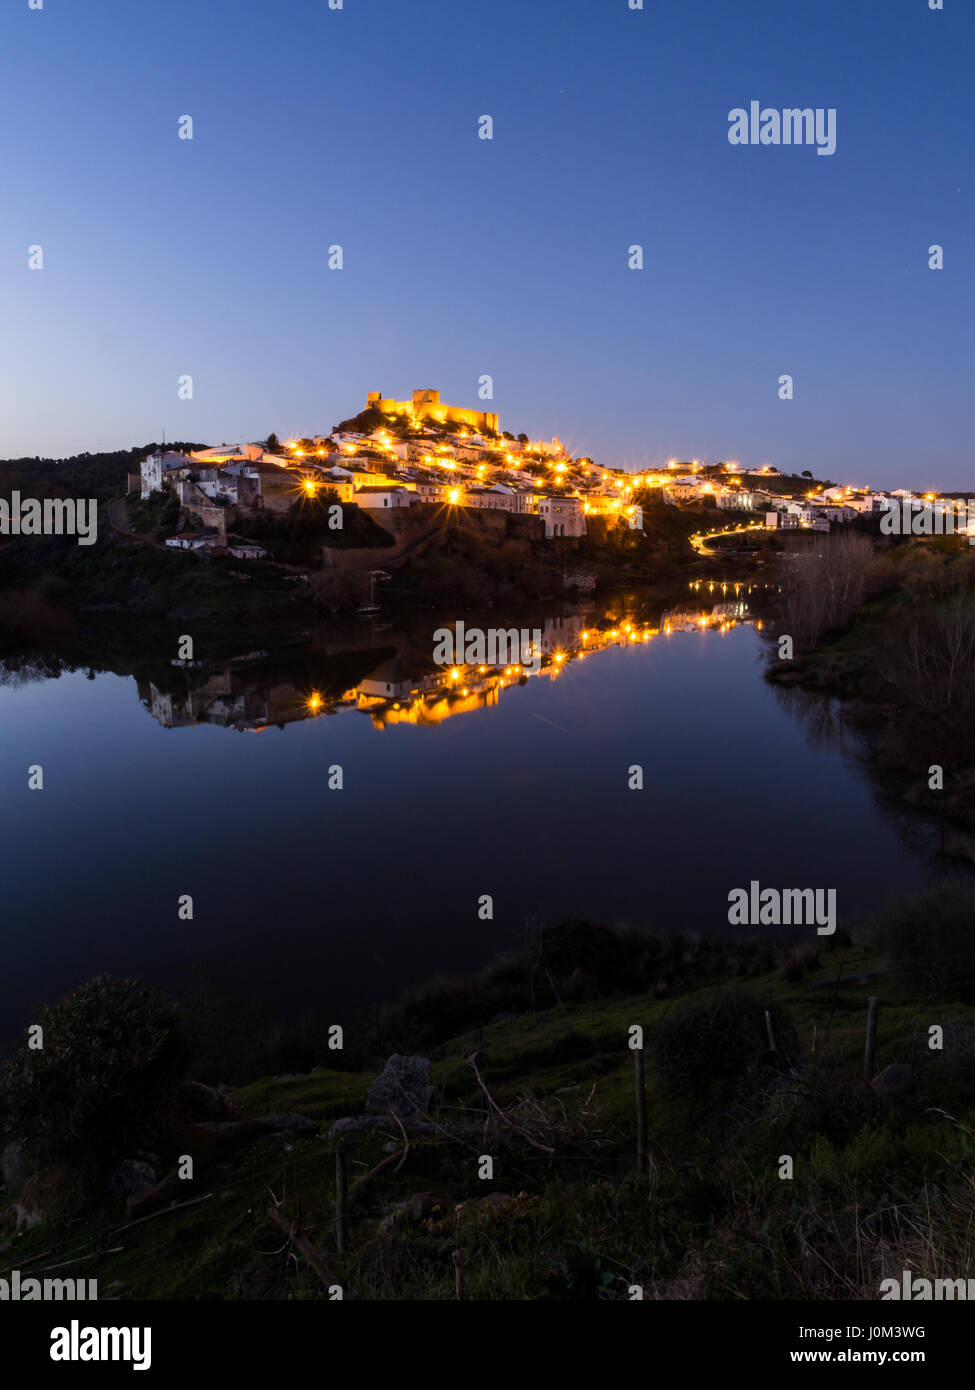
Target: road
702, 540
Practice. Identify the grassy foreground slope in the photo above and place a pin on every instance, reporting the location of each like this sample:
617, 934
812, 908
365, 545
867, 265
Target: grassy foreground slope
883, 1177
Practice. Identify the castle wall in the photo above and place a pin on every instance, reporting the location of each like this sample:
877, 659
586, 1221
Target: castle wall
426, 405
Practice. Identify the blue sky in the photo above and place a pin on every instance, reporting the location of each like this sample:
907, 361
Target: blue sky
465, 257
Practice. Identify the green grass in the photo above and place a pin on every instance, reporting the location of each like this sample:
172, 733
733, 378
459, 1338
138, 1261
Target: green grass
713, 1219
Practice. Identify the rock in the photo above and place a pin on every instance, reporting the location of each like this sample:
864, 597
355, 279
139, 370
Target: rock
897, 1077
423, 1205
202, 1102
13, 1168
25, 1217
132, 1175
503, 1018
144, 1156
404, 1087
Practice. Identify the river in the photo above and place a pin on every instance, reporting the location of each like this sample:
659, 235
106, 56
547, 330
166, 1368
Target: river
213, 782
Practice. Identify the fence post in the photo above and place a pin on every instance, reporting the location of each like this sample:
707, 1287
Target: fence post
341, 1202
768, 1029
641, 1111
871, 1048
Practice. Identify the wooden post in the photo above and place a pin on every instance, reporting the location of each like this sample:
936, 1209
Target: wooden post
459, 1274
301, 1241
814, 1038
871, 1049
641, 1111
768, 1029
341, 1202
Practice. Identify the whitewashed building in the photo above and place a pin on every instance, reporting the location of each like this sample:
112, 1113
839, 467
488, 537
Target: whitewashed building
165, 465
563, 517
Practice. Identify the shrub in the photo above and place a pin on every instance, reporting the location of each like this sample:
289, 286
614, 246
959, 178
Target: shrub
716, 1038
111, 1053
928, 942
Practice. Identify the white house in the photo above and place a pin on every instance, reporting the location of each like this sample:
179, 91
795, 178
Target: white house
490, 499
162, 465
378, 497
689, 488
563, 516
226, 453
736, 499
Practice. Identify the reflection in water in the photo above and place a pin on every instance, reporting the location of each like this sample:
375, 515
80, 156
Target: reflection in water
823, 718
832, 725
314, 901
404, 686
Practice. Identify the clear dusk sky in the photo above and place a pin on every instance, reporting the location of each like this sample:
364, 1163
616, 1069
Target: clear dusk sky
464, 257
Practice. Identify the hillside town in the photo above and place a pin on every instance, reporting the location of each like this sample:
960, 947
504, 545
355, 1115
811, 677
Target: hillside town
397, 453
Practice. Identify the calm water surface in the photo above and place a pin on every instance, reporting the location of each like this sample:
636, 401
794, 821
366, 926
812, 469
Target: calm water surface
308, 897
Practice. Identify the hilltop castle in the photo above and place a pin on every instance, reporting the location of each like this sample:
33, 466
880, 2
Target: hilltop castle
426, 405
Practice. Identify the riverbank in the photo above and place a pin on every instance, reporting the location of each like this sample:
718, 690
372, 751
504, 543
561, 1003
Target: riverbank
520, 1176
901, 658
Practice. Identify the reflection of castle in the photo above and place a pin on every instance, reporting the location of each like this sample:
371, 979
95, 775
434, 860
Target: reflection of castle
406, 688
